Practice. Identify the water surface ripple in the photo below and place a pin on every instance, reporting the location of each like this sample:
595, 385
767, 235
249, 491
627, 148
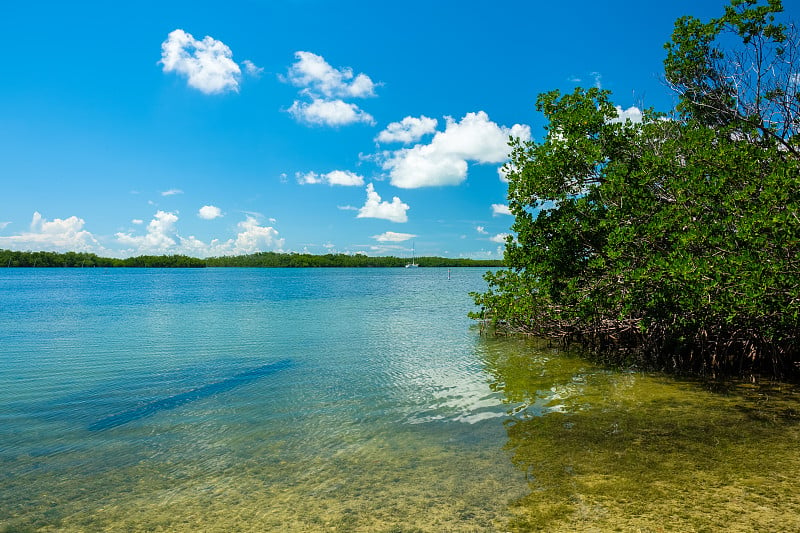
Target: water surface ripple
354, 400
293, 397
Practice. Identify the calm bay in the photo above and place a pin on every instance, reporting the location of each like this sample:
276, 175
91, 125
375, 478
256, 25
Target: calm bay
246, 399
352, 400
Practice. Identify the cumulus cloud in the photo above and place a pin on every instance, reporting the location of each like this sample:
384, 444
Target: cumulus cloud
329, 113
171, 192
252, 238
391, 236
335, 177
500, 237
504, 170
408, 130
502, 174
500, 209
63, 235
444, 160
251, 69
162, 237
326, 88
374, 207
481, 230
209, 212
308, 178
633, 113
344, 177
314, 74
207, 64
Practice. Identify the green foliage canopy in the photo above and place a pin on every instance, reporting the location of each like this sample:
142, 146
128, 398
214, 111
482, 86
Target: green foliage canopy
674, 242
10, 258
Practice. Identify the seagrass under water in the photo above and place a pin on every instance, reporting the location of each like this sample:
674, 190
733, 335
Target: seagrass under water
352, 400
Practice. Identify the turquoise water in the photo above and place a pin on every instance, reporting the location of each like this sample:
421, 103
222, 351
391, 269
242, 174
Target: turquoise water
354, 400
247, 398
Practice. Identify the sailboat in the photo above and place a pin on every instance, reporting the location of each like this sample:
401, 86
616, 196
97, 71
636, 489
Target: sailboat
412, 264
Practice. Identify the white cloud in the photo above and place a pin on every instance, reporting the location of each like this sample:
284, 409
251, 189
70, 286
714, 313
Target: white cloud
315, 75
329, 113
500, 209
424, 166
3, 225
504, 170
347, 207
344, 177
162, 238
500, 237
502, 174
383, 249
444, 160
391, 236
171, 192
408, 130
633, 113
65, 235
375, 208
69, 226
308, 178
137, 221
207, 64
481, 230
253, 238
335, 177
251, 69
327, 88
209, 212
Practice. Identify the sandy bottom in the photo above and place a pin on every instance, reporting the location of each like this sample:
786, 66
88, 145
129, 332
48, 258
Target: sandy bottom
411, 481
581, 449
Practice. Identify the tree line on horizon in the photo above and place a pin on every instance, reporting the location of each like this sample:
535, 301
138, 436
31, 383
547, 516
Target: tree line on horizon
672, 243
11, 258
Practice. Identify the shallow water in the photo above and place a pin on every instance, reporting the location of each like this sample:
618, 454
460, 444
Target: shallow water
613, 451
353, 400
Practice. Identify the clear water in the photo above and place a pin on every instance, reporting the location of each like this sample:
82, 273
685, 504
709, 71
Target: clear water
354, 400
246, 399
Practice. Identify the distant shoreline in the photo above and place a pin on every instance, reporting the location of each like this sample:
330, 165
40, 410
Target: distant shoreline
42, 259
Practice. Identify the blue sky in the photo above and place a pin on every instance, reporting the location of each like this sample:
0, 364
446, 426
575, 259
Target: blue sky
211, 128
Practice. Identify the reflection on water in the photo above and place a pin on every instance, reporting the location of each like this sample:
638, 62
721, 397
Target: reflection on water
608, 451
